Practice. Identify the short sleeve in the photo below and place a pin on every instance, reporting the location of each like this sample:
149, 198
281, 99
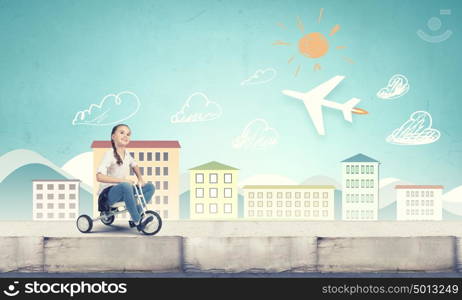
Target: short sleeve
105, 163
132, 161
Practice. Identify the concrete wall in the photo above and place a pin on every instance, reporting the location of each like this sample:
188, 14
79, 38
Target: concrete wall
250, 254
387, 254
230, 254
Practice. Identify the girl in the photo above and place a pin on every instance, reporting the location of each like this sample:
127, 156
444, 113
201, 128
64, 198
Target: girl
113, 171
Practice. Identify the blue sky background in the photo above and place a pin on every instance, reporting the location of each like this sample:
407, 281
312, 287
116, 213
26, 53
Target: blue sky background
59, 57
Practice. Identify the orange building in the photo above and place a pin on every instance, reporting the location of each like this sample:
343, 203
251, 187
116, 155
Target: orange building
159, 163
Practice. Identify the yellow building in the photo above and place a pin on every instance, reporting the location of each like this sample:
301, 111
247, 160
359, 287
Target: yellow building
289, 202
159, 163
213, 192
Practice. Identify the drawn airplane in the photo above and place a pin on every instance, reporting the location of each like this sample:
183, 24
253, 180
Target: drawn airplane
314, 100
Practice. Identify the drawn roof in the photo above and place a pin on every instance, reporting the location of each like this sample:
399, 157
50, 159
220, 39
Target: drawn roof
213, 165
360, 158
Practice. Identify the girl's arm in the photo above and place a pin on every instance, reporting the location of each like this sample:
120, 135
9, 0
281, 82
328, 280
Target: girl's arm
136, 169
108, 179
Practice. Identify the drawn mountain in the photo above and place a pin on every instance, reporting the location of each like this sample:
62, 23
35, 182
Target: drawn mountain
322, 180
387, 192
19, 168
388, 213
452, 202
184, 182
81, 167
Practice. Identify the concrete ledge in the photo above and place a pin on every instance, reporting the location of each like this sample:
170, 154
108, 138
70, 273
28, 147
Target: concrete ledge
459, 254
21, 254
250, 254
387, 254
113, 254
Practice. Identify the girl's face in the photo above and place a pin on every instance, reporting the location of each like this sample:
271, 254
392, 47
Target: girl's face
121, 136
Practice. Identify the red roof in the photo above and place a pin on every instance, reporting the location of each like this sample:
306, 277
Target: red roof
139, 144
418, 187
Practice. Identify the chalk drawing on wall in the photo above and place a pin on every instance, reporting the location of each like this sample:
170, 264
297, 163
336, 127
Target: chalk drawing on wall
257, 134
312, 45
113, 109
415, 131
197, 108
434, 24
260, 77
397, 86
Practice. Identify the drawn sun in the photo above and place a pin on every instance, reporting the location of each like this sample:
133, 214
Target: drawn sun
312, 45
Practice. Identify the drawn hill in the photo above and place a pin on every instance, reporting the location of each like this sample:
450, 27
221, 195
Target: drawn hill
19, 168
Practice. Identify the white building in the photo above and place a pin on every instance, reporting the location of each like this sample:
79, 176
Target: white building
360, 188
419, 202
55, 200
289, 202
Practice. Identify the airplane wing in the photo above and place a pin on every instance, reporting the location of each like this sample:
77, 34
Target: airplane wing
322, 90
315, 111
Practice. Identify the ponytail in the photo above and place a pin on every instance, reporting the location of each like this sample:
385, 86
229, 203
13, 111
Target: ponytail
116, 155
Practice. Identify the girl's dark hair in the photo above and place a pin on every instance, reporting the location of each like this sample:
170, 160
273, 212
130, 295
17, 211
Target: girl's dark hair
116, 155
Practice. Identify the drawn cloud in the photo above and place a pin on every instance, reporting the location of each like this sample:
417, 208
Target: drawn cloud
260, 77
113, 109
415, 131
256, 135
398, 86
197, 108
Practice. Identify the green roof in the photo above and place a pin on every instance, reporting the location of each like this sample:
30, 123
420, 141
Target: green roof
213, 165
360, 158
281, 187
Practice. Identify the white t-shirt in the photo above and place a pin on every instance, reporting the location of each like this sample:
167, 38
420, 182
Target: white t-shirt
109, 167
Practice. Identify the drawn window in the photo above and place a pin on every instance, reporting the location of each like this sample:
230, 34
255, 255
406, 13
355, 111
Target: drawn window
213, 178
228, 178
213, 192
199, 177
199, 193
228, 208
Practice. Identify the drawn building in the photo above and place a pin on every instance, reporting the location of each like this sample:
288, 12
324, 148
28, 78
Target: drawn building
213, 191
159, 163
289, 202
55, 200
419, 202
360, 188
